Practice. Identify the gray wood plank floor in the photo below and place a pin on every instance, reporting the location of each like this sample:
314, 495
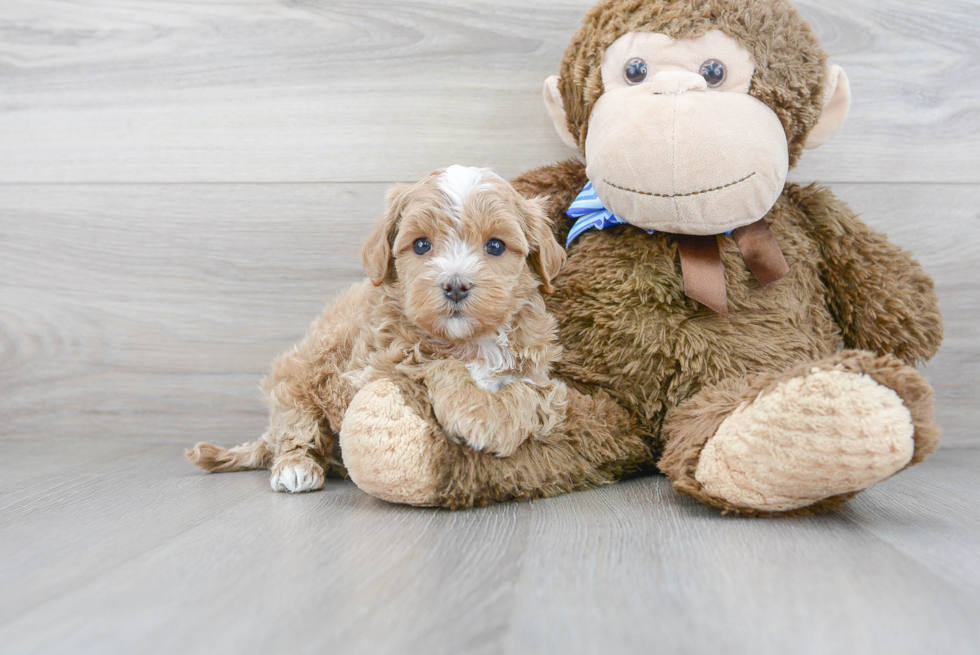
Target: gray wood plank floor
184, 185
141, 553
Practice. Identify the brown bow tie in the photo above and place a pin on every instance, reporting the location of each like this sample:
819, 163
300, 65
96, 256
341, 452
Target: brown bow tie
704, 275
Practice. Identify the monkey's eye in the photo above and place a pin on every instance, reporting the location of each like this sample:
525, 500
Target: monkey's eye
422, 246
714, 73
495, 247
635, 71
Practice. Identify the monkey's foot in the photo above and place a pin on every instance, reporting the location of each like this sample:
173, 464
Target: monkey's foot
809, 440
386, 446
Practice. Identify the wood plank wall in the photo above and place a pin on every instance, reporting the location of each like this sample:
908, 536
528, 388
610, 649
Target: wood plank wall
183, 185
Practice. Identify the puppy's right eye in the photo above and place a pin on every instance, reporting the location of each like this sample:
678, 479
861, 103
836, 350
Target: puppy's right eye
422, 246
495, 247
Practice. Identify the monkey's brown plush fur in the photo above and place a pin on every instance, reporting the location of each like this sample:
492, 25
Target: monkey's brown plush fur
656, 378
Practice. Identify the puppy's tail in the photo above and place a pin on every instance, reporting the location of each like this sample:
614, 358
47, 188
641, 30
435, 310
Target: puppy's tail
254, 455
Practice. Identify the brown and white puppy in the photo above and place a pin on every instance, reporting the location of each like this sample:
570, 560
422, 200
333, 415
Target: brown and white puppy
452, 299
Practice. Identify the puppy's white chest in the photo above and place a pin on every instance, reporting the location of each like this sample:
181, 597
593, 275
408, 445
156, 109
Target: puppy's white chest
494, 360
486, 378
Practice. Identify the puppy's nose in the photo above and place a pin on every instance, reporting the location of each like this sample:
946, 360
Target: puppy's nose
456, 289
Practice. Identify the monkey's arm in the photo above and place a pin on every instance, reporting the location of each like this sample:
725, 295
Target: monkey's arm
496, 421
879, 295
560, 183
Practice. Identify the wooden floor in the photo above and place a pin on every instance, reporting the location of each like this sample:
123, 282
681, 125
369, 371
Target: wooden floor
184, 184
119, 547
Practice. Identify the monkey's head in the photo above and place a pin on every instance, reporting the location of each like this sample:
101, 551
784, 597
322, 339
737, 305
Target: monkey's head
689, 113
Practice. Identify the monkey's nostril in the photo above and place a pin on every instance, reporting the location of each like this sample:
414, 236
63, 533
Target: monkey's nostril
456, 290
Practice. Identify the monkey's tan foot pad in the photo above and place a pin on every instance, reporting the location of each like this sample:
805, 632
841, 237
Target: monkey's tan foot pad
387, 446
296, 475
823, 434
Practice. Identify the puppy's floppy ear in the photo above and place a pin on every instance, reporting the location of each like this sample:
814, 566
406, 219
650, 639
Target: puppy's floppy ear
376, 251
546, 256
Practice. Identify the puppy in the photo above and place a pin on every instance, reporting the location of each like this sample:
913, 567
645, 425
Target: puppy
452, 300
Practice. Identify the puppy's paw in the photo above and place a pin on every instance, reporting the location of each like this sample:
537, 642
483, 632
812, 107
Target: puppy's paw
494, 436
296, 475
498, 422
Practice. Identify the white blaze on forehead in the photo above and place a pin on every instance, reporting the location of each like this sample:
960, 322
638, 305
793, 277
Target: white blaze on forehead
456, 258
458, 182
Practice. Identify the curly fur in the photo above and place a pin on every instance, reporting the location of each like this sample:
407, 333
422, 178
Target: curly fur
489, 386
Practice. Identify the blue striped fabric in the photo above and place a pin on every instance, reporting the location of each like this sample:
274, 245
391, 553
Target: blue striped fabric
590, 213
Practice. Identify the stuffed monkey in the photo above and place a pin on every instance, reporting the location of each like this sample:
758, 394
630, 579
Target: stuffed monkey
750, 338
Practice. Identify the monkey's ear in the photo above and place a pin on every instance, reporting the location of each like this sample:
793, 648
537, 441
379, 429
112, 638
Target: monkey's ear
556, 109
547, 256
376, 251
836, 104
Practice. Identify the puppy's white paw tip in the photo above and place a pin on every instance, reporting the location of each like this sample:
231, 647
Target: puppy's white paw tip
297, 477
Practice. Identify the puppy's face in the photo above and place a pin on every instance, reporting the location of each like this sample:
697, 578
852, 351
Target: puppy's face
462, 246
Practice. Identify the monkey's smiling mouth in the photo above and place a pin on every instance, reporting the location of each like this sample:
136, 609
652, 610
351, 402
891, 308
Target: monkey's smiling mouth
680, 195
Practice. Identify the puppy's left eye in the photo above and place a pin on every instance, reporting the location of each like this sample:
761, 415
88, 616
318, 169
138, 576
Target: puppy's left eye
422, 246
495, 247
